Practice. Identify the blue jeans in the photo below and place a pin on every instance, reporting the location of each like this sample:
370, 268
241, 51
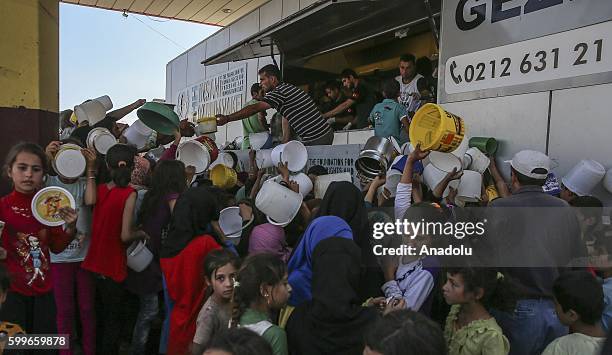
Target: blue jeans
165, 333
532, 326
148, 311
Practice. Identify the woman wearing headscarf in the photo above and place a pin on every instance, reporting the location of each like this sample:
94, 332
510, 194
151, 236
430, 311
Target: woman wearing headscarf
182, 257
334, 321
268, 238
343, 199
300, 263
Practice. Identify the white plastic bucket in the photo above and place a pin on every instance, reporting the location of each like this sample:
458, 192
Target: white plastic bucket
193, 153
477, 160
258, 140
392, 180
91, 111
293, 153
279, 203
607, 181
230, 222
138, 134
432, 176
470, 186
224, 158
101, 139
304, 182
322, 182
139, 256
583, 177
105, 101
263, 158
445, 161
460, 152
69, 162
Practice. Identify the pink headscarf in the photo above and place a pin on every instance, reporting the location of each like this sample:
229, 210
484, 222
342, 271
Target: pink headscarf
268, 238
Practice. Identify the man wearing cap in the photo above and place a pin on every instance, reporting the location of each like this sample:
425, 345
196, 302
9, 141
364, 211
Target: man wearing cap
533, 236
298, 109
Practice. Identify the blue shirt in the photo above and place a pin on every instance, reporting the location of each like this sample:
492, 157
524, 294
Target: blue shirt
606, 317
387, 119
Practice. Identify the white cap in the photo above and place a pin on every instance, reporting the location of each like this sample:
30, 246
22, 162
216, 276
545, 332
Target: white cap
531, 163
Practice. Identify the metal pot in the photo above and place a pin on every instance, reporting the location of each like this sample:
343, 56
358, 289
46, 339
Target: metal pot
375, 157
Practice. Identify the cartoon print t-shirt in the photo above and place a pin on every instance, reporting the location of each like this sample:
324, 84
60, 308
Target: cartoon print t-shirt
27, 243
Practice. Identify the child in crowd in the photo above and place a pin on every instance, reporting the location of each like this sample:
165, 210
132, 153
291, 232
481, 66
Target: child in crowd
389, 117
153, 218
111, 230
412, 278
470, 329
68, 276
26, 243
261, 287
6, 329
579, 304
404, 332
220, 267
239, 341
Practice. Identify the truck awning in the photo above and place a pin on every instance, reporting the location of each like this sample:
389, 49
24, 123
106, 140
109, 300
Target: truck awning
327, 25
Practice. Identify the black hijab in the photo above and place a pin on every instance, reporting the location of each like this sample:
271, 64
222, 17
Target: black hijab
193, 212
334, 321
344, 200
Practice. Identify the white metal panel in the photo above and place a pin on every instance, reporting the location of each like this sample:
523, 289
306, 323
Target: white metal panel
217, 42
581, 128
360, 136
518, 122
270, 13
290, 7
196, 71
169, 97
179, 75
340, 138
243, 28
305, 3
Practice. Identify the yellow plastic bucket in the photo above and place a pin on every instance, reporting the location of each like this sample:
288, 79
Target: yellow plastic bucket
223, 177
436, 129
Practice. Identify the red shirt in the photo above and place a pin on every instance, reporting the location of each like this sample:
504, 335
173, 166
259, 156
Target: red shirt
106, 254
27, 243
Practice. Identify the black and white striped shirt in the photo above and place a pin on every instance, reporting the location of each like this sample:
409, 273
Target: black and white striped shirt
299, 109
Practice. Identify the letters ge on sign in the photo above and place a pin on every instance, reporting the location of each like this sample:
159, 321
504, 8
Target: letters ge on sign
497, 12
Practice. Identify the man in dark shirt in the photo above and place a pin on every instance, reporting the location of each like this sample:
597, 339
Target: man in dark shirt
534, 237
298, 109
333, 91
362, 100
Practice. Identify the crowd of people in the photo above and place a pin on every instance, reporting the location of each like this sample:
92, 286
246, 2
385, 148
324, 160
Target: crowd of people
314, 285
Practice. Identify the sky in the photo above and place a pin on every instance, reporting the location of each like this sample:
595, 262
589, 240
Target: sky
104, 53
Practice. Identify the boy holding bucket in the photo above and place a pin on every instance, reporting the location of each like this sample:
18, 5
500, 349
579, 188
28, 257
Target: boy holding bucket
389, 116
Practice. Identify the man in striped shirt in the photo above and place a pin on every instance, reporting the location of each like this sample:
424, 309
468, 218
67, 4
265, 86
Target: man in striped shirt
298, 109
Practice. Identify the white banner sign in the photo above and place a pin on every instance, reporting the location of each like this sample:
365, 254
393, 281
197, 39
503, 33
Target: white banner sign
582, 51
222, 94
